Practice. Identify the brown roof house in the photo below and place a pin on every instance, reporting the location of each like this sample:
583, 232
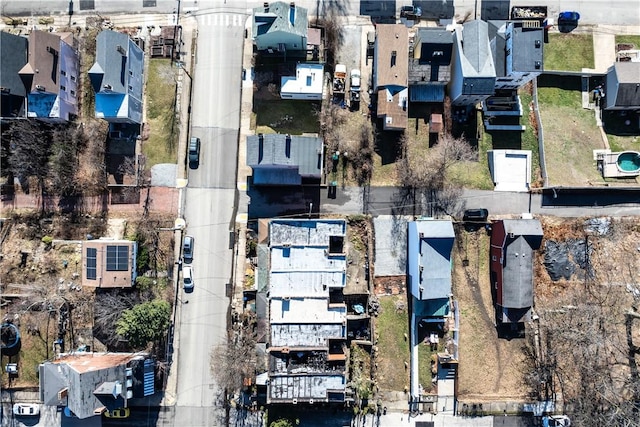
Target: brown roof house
89, 383
391, 75
108, 263
51, 76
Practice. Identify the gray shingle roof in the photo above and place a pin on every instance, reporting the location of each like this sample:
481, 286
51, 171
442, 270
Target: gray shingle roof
280, 16
286, 150
524, 236
528, 46
14, 56
628, 76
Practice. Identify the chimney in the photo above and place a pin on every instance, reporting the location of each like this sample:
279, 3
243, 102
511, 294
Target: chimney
287, 147
394, 55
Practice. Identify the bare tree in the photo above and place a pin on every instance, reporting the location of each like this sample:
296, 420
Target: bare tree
426, 176
108, 308
29, 152
581, 353
235, 360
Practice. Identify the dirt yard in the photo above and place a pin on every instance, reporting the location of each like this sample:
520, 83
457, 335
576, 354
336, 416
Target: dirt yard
490, 368
574, 254
40, 268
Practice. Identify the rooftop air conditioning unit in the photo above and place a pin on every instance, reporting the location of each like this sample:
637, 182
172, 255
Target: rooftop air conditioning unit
39, 87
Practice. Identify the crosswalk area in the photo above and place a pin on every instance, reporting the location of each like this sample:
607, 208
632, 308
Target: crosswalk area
222, 20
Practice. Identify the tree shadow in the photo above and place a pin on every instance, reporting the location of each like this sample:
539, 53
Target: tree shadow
387, 145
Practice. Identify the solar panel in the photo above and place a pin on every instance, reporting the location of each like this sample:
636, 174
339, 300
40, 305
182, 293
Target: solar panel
117, 258
91, 263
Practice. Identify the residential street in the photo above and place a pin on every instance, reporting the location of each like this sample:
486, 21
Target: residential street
209, 213
214, 195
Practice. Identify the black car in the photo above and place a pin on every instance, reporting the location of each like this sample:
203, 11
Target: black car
475, 215
194, 153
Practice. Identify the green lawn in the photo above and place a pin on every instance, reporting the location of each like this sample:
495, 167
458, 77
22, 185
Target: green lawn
569, 52
286, 116
392, 325
161, 147
571, 135
629, 39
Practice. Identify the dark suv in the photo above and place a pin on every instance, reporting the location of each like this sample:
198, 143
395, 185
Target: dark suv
475, 215
194, 153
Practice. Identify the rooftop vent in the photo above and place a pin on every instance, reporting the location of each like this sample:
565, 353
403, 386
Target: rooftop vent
108, 87
121, 50
39, 87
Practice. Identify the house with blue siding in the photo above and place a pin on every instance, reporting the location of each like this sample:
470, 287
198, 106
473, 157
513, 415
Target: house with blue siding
50, 76
473, 72
14, 55
280, 26
117, 78
429, 244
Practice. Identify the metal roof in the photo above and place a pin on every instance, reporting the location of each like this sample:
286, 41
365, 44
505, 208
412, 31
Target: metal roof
430, 258
426, 92
302, 154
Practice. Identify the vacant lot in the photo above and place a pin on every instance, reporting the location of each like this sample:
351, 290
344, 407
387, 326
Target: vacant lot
286, 116
491, 369
161, 146
568, 52
570, 136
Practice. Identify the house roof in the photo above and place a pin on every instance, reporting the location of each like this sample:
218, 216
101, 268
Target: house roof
528, 47
43, 67
434, 256
14, 51
475, 57
309, 79
304, 387
107, 71
280, 16
523, 237
392, 55
628, 91
286, 150
305, 264
510, 169
83, 374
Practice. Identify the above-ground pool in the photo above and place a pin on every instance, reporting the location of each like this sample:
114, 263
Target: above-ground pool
629, 161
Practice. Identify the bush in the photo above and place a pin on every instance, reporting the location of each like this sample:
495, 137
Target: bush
47, 240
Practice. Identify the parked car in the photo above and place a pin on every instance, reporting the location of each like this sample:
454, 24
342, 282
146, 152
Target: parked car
410, 12
556, 421
475, 215
26, 409
187, 278
187, 249
194, 153
118, 413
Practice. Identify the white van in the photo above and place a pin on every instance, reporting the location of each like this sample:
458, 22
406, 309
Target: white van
187, 278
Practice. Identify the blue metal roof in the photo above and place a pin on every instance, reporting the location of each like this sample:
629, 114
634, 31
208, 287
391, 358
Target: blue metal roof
426, 93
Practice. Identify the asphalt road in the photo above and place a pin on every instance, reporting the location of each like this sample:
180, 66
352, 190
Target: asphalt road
618, 12
209, 213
